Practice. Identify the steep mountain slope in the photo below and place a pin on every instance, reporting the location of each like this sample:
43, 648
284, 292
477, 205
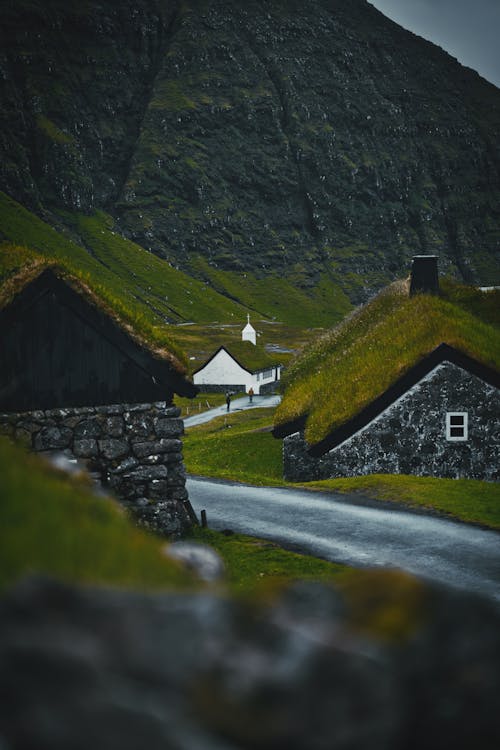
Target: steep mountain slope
315, 141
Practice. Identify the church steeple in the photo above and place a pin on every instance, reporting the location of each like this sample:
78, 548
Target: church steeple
249, 333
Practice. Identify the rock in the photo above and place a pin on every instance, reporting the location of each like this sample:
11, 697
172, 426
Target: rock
199, 558
139, 424
148, 473
114, 426
153, 447
168, 428
89, 428
126, 465
113, 448
304, 669
85, 448
52, 438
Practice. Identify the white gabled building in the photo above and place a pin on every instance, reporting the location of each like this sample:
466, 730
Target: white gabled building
225, 369
240, 365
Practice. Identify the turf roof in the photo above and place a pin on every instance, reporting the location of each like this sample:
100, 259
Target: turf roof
354, 363
249, 356
13, 285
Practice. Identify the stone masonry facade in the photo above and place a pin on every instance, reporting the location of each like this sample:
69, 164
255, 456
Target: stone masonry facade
409, 437
135, 449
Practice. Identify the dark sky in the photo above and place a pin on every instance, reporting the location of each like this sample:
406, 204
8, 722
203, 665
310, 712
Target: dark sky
467, 29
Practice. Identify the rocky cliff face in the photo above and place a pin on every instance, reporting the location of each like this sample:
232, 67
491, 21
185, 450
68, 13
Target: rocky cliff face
278, 137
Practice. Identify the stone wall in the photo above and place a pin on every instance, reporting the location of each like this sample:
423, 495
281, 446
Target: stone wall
270, 388
410, 436
207, 388
135, 449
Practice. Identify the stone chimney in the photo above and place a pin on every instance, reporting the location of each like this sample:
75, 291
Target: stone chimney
424, 275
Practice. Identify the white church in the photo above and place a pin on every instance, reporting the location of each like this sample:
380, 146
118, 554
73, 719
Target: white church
240, 366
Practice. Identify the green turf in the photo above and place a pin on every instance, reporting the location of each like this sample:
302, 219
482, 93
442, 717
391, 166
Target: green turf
469, 500
250, 562
235, 446
53, 525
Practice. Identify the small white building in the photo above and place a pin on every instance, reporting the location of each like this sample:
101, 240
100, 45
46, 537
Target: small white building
239, 366
249, 333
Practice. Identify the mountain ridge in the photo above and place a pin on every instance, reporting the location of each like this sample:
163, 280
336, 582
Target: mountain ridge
294, 139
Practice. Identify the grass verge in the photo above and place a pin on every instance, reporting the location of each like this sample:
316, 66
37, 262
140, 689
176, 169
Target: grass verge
239, 447
203, 402
257, 564
469, 500
54, 525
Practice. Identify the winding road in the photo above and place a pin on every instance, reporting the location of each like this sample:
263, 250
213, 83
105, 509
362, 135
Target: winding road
328, 525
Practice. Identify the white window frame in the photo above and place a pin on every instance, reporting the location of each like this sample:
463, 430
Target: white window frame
465, 426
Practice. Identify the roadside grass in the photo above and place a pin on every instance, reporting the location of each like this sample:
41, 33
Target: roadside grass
258, 565
240, 448
53, 524
237, 446
469, 500
202, 402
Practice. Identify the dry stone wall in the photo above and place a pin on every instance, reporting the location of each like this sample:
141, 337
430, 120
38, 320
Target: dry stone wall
135, 449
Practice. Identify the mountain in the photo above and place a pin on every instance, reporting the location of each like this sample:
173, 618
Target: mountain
316, 142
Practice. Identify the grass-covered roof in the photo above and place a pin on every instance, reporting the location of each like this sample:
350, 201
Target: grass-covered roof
357, 361
97, 295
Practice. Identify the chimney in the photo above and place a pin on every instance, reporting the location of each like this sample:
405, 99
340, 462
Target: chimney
424, 275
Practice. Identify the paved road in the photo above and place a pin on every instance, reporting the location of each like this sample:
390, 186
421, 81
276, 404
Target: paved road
325, 525
239, 404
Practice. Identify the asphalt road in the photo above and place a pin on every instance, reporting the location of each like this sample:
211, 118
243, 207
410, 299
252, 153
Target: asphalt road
325, 525
240, 404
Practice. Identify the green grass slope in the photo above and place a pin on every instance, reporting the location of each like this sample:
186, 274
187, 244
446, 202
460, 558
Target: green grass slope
53, 525
359, 359
151, 287
149, 290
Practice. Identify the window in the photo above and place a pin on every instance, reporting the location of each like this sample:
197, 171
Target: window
457, 427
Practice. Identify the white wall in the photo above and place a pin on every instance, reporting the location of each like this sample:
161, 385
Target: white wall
223, 370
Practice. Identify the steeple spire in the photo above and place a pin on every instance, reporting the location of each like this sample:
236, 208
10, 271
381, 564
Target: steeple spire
249, 333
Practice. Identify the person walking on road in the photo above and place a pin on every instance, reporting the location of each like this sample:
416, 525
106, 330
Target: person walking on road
250, 394
228, 400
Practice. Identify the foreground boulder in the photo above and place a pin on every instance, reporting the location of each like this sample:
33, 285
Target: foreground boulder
383, 662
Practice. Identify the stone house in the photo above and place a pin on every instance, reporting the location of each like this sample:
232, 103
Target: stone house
440, 417
240, 366
75, 379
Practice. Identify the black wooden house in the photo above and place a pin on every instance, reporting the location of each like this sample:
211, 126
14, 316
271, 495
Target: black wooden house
60, 349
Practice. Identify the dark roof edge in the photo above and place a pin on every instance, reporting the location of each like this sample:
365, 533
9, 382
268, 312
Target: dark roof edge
288, 428
250, 372
106, 326
442, 353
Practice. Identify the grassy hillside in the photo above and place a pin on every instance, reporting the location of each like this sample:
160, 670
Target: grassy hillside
359, 359
156, 298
